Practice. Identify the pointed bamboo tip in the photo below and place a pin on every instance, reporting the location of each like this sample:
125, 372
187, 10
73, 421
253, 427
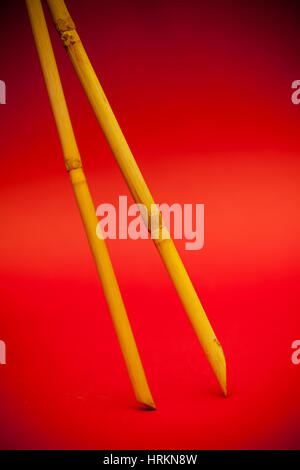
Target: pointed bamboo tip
148, 405
224, 389
222, 379
218, 363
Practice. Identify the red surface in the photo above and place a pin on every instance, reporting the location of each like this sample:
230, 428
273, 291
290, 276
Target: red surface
202, 93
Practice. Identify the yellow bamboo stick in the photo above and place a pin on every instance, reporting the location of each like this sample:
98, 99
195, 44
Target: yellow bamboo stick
85, 205
139, 190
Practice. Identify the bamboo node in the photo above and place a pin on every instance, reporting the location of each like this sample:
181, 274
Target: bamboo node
69, 38
64, 24
73, 163
67, 30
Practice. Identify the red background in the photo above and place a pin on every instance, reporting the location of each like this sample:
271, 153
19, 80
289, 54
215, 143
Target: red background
202, 91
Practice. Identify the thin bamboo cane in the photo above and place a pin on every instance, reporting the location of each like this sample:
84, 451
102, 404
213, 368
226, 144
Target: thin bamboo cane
85, 205
139, 190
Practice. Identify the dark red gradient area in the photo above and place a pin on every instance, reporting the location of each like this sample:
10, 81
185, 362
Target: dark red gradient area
202, 91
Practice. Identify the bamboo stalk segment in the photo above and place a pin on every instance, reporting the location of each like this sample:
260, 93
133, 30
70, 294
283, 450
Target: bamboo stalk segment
86, 206
139, 190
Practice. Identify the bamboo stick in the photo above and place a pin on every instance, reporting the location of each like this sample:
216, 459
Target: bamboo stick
139, 190
85, 205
